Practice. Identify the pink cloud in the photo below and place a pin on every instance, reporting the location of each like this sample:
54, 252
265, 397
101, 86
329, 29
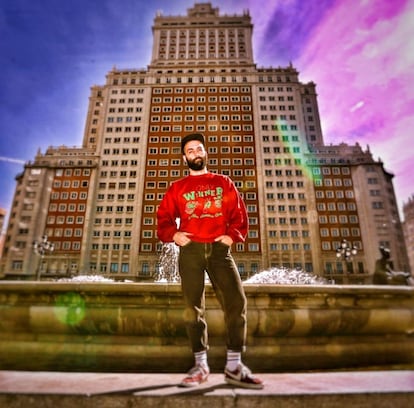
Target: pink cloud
361, 59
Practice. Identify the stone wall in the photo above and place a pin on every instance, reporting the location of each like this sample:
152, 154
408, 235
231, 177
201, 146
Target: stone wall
132, 327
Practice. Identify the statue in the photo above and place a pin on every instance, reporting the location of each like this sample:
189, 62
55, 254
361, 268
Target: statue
384, 271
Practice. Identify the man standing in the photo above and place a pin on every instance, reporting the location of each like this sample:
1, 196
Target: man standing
211, 217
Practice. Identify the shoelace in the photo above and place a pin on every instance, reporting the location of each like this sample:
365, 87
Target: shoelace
197, 369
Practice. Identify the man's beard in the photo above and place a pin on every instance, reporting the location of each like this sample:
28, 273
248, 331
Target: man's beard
196, 164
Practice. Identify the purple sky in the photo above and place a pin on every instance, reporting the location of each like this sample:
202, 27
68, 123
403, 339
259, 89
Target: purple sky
358, 52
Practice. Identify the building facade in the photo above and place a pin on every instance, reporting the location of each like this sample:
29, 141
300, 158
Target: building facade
97, 203
408, 227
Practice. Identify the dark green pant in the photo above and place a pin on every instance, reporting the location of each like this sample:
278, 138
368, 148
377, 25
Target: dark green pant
215, 258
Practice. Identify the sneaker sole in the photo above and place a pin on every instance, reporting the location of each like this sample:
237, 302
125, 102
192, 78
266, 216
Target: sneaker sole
243, 385
191, 385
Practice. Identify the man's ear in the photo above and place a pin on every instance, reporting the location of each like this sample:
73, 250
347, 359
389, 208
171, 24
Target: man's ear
184, 159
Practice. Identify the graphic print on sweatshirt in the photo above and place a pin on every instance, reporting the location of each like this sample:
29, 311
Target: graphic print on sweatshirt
205, 201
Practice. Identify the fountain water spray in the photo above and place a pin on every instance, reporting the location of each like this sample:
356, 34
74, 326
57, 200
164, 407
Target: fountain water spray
285, 276
168, 272
168, 269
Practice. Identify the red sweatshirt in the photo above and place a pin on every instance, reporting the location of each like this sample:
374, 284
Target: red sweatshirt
206, 206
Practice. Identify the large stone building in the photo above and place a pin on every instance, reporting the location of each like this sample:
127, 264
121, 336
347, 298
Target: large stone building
97, 203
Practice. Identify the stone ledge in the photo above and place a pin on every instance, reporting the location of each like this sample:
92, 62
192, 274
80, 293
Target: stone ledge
359, 389
123, 327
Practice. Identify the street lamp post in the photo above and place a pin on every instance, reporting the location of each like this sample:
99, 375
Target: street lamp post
346, 251
41, 248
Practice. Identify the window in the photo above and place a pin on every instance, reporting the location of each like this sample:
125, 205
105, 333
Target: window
125, 268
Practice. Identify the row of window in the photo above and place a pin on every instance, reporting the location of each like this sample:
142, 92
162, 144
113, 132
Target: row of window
285, 196
283, 184
168, 79
71, 184
273, 117
64, 232
62, 219
120, 119
123, 140
109, 234
287, 173
201, 90
329, 246
282, 162
284, 208
200, 128
213, 53
201, 118
114, 267
343, 219
113, 247
65, 195
72, 172
132, 81
272, 88
120, 186
126, 100
118, 129
202, 33
283, 139
339, 194
286, 149
285, 220
316, 171
115, 173
277, 107
343, 232
124, 151
288, 233
289, 247
199, 99
272, 98
116, 163
130, 91
338, 182
129, 109
201, 45
116, 209
62, 207
333, 206
118, 197
109, 221
275, 127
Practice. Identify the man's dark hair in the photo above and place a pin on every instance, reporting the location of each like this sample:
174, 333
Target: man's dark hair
188, 138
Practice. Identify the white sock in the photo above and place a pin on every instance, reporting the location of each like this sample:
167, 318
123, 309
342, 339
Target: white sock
233, 359
201, 358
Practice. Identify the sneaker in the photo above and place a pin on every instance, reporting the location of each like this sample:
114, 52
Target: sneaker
197, 375
242, 377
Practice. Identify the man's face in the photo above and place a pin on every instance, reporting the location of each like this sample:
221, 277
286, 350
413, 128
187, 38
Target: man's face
195, 155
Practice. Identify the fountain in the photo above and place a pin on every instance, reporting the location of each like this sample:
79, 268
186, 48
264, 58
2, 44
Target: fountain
296, 321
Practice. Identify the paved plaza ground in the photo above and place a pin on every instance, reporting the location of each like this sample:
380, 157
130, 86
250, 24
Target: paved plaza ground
379, 389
